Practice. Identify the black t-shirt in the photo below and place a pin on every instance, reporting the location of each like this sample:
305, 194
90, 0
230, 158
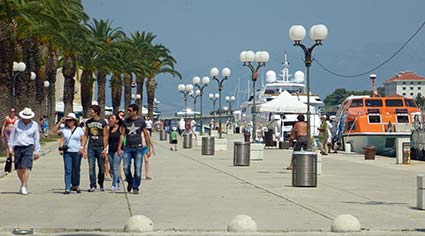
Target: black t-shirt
133, 131
95, 131
114, 139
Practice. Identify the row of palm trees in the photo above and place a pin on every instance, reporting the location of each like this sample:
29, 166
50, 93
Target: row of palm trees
51, 34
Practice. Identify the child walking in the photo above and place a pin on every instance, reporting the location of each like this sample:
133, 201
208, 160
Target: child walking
173, 137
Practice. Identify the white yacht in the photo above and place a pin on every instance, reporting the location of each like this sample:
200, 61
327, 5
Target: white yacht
285, 97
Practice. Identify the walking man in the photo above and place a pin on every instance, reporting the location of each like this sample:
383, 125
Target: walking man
132, 129
24, 143
97, 134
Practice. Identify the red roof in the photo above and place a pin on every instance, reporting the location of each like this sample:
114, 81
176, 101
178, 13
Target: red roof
405, 76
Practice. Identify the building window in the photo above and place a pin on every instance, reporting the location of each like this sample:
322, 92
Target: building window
404, 88
411, 88
419, 88
419, 82
404, 94
404, 82
411, 82
411, 94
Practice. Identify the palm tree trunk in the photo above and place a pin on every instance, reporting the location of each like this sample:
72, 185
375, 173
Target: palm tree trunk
69, 69
150, 87
127, 90
140, 83
26, 89
116, 92
7, 56
101, 82
52, 62
86, 90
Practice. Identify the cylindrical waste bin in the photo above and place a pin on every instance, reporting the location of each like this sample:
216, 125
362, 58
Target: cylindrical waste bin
369, 152
187, 140
284, 145
304, 170
162, 135
268, 138
208, 143
406, 152
241, 153
237, 130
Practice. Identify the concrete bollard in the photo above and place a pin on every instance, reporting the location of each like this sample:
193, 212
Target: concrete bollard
138, 224
242, 223
345, 223
420, 200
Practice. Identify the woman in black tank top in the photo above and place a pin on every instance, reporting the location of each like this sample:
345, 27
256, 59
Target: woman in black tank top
114, 159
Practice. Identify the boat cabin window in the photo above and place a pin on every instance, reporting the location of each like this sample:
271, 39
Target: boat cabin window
374, 118
373, 103
402, 119
393, 103
410, 103
357, 103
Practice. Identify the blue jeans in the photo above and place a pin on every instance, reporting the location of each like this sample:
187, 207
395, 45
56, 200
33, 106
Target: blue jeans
72, 168
135, 154
114, 163
95, 153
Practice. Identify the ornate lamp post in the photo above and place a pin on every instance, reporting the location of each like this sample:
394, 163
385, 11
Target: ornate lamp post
46, 85
205, 80
195, 97
214, 73
185, 90
317, 33
248, 57
17, 68
135, 97
230, 101
213, 98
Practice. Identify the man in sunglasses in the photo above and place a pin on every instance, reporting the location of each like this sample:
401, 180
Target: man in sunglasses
132, 129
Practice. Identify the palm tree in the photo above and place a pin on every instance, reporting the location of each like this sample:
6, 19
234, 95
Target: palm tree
161, 62
105, 36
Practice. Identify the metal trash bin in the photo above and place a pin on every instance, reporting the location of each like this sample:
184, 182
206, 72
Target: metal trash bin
369, 152
304, 170
237, 130
241, 153
406, 153
284, 145
246, 136
208, 145
187, 140
162, 135
268, 138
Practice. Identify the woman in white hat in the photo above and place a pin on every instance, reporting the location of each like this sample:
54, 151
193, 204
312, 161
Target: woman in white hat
71, 147
24, 143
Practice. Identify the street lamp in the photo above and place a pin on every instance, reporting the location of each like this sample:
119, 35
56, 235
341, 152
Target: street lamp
17, 68
46, 85
195, 97
135, 97
185, 90
205, 80
213, 98
230, 101
248, 57
317, 33
225, 73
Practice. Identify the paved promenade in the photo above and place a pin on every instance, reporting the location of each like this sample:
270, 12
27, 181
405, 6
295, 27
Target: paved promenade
191, 194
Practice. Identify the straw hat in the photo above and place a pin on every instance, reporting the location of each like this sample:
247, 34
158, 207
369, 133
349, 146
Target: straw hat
71, 116
27, 113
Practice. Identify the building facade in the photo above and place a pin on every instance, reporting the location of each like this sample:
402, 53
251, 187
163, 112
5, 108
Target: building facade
406, 84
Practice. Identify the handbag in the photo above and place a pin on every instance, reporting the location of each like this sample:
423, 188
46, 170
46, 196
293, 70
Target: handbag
65, 147
8, 165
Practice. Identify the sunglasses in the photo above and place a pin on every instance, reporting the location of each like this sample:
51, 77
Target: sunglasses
129, 110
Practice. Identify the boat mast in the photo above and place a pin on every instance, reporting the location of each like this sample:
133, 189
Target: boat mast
285, 71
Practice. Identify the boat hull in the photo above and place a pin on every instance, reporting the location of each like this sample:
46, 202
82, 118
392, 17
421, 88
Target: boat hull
385, 143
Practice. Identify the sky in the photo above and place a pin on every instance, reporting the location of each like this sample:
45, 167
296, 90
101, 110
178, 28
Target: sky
202, 34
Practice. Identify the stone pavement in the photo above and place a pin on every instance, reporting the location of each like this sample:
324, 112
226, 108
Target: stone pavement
191, 194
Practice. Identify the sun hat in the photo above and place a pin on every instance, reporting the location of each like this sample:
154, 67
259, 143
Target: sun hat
71, 116
27, 113
174, 128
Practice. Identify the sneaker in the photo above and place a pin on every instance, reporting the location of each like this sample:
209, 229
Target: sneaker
102, 189
78, 190
113, 189
91, 189
119, 186
23, 190
135, 191
67, 192
128, 188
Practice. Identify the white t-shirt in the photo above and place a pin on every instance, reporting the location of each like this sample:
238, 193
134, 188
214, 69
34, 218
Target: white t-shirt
149, 124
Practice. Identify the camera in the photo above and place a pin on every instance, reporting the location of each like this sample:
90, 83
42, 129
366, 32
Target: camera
64, 148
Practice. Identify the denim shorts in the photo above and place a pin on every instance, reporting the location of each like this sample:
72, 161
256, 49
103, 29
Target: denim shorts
23, 157
144, 150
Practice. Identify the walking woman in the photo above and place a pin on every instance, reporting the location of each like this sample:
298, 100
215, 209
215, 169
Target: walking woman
114, 159
9, 121
72, 149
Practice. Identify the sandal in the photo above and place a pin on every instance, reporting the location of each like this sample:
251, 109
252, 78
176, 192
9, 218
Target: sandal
289, 168
148, 178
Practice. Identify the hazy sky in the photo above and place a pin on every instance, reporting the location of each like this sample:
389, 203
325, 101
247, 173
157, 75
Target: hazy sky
202, 34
